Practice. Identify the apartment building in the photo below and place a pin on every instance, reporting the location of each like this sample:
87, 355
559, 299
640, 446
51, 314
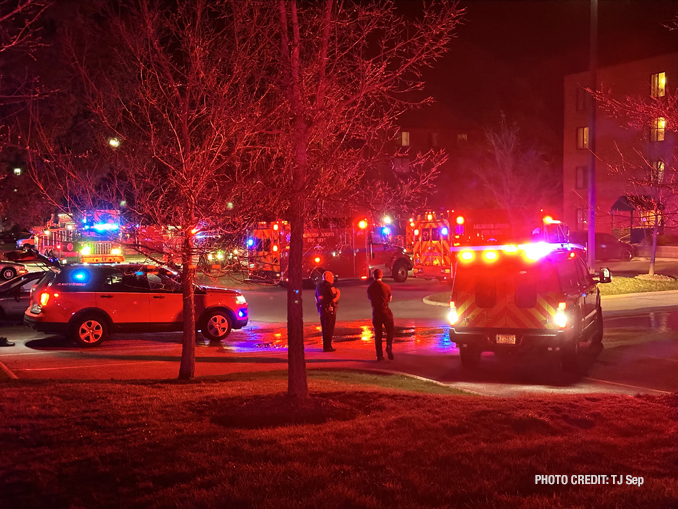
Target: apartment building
650, 78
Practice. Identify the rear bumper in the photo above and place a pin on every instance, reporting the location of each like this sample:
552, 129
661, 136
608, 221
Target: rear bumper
431, 271
485, 339
49, 327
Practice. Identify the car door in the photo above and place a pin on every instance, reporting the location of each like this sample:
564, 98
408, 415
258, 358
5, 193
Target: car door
124, 297
588, 290
17, 299
166, 300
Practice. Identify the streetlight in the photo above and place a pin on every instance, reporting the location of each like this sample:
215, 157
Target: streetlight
114, 142
17, 171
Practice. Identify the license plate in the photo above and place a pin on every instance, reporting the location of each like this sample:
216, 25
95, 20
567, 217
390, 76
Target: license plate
506, 339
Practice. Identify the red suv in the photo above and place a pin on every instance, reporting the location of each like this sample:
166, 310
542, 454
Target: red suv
88, 302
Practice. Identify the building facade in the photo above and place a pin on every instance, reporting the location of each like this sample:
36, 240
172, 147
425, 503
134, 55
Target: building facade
616, 145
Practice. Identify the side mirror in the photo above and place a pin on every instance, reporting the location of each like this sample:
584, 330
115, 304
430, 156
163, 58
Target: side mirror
603, 276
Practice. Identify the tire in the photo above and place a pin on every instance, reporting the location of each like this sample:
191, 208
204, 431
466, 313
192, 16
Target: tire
470, 357
8, 273
597, 338
400, 272
217, 325
90, 330
626, 255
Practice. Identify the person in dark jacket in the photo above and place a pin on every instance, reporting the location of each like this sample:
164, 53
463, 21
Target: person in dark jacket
380, 295
326, 301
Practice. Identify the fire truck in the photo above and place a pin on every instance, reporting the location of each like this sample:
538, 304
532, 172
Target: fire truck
349, 249
92, 238
432, 235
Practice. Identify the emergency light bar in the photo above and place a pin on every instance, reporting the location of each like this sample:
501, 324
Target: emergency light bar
532, 252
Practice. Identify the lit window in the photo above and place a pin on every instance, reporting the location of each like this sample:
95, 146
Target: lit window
658, 168
582, 137
17, 171
462, 137
405, 139
582, 177
658, 129
658, 84
582, 219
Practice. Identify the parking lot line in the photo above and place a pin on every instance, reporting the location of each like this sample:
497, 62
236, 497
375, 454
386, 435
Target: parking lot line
90, 366
627, 385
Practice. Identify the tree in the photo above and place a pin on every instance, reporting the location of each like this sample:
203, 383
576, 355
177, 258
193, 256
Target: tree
518, 177
177, 108
347, 72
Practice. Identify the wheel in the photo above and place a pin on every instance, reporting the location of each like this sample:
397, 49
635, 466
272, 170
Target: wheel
597, 337
400, 272
470, 357
8, 273
626, 255
89, 330
217, 325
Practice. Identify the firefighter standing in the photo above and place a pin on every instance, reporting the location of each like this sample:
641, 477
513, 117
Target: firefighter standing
326, 300
380, 295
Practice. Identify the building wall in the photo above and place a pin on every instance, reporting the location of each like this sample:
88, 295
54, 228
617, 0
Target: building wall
613, 141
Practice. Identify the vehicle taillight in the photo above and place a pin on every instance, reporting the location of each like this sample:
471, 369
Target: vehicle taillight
561, 318
452, 315
44, 299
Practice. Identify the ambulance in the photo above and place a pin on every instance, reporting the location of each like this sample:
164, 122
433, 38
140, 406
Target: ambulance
511, 299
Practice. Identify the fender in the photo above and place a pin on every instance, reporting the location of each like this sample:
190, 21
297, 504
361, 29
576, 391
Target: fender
96, 311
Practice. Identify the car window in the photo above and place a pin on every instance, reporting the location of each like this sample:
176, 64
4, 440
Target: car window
27, 286
486, 291
425, 234
162, 283
128, 283
606, 237
435, 234
526, 289
582, 272
568, 276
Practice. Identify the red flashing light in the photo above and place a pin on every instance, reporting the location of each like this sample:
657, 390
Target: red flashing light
416, 233
362, 224
316, 259
275, 249
275, 227
490, 256
467, 256
460, 220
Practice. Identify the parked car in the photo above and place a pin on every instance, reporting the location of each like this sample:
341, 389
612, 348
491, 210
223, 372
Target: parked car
607, 246
15, 295
10, 270
513, 301
88, 302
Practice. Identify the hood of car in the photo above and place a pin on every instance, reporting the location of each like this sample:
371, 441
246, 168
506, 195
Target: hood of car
213, 289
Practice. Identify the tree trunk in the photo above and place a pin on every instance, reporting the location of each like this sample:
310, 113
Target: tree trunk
187, 367
296, 381
653, 253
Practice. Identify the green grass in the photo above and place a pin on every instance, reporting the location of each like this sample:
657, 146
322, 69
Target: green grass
239, 443
622, 285
618, 286
358, 379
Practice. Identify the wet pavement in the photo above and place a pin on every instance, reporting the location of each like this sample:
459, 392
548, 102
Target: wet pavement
640, 355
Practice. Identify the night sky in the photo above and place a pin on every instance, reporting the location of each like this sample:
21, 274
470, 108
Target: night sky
512, 56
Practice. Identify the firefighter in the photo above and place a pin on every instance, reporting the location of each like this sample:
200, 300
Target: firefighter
326, 301
380, 295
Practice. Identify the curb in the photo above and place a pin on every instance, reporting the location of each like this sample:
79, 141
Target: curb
640, 294
6, 374
430, 302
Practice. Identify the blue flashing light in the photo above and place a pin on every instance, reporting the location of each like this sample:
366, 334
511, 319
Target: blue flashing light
250, 242
386, 230
241, 314
444, 230
80, 276
105, 227
140, 273
86, 227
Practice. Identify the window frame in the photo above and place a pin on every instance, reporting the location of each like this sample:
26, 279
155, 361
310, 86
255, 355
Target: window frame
581, 181
658, 84
583, 138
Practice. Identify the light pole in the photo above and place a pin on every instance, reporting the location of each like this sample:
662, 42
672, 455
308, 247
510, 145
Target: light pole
593, 65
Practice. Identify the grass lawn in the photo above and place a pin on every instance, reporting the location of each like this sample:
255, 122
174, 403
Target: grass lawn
239, 442
621, 285
618, 286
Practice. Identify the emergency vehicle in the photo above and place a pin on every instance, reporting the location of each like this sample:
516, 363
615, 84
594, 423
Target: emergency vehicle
516, 298
432, 235
92, 238
349, 249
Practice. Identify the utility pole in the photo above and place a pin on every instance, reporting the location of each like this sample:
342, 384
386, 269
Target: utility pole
593, 71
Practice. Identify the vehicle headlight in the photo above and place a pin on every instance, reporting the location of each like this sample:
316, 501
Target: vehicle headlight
240, 299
